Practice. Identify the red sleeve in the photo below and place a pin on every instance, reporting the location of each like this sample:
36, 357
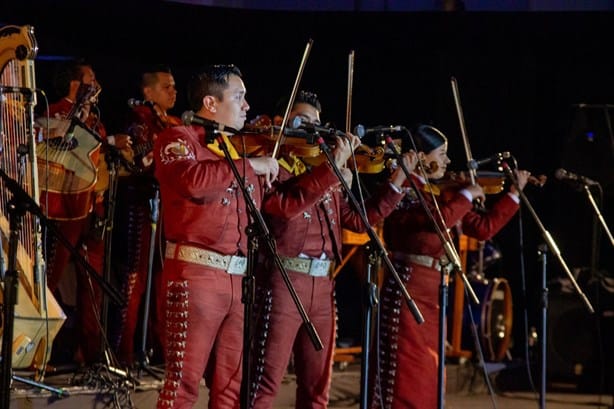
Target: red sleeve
416, 218
294, 194
484, 226
378, 207
191, 169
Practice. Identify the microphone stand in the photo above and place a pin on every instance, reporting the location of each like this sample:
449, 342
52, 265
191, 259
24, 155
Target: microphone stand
453, 259
604, 225
371, 299
378, 249
549, 244
35, 209
542, 252
255, 229
17, 207
112, 157
371, 232
109, 361
26, 202
143, 360
547, 237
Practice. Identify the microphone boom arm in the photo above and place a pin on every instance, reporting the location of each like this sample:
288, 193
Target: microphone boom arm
547, 237
371, 233
591, 199
447, 244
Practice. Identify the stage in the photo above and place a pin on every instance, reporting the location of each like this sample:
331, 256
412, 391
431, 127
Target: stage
93, 388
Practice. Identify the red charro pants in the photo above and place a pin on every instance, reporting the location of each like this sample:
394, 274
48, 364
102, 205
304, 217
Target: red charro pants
410, 380
89, 294
204, 330
287, 335
131, 248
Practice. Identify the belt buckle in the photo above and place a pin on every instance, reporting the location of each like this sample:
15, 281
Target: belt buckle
237, 265
319, 268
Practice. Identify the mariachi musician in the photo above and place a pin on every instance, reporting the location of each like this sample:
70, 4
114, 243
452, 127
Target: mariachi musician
306, 210
77, 208
205, 219
136, 188
407, 371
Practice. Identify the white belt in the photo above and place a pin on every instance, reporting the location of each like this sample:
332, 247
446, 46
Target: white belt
183, 252
421, 259
313, 267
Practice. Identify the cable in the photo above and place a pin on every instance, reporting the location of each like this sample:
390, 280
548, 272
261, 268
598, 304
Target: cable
105, 376
46, 356
523, 282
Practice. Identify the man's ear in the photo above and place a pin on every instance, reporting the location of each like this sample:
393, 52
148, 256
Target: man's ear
147, 93
210, 103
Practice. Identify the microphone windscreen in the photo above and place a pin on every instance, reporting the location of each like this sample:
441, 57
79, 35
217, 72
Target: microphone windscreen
560, 174
187, 117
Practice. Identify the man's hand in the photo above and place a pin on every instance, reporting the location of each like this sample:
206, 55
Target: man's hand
267, 167
476, 192
522, 177
410, 160
347, 174
122, 141
344, 148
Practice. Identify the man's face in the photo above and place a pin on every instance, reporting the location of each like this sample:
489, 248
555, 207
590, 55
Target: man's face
232, 109
86, 87
307, 112
163, 92
88, 76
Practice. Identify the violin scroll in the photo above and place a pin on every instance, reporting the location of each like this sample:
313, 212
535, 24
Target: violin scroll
538, 181
429, 168
369, 160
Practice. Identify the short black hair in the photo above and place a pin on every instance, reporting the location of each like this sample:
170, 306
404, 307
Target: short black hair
71, 70
150, 74
211, 80
306, 97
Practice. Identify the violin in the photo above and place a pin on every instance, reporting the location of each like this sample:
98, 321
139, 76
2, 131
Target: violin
491, 182
369, 160
258, 138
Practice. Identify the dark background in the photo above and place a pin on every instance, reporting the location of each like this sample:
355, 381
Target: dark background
522, 76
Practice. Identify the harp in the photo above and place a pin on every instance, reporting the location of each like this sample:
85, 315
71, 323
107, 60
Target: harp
38, 317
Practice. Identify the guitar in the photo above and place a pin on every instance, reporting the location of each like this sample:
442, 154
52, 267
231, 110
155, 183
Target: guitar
148, 122
67, 162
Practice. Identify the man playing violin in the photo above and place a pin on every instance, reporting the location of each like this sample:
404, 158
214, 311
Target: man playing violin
136, 188
406, 373
205, 219
306, 211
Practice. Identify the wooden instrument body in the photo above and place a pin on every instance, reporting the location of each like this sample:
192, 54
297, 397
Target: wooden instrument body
68, 174
37, 316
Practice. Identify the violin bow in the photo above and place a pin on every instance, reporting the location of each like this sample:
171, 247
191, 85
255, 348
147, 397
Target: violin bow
297, 81
348, 124
472, 171
459, 111
348, 105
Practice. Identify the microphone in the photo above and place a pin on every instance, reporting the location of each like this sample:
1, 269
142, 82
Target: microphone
494, 158
562, 174
297, 123
190, 118
133, 103
358, 129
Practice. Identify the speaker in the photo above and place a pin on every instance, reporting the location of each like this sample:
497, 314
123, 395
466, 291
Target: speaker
572, 337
